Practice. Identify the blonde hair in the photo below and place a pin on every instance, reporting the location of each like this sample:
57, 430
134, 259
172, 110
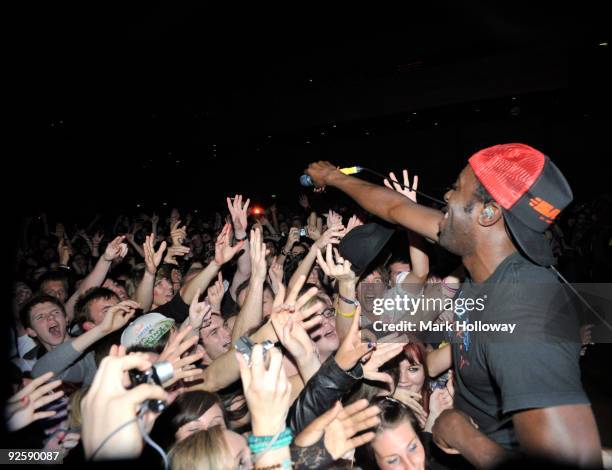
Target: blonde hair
203, 450
75, 418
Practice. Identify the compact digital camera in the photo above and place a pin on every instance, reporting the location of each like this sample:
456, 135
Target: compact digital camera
244, 345
159, 373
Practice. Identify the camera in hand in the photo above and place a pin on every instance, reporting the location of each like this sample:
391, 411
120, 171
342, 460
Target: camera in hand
244, 345
159, 373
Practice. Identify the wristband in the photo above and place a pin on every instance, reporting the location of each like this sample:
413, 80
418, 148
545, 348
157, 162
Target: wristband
261, 444
241, 239
347, 315
347, 301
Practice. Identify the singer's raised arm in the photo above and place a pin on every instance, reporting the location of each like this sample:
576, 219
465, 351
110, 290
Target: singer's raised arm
379, 200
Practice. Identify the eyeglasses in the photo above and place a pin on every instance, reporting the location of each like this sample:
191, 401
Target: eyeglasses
329, 312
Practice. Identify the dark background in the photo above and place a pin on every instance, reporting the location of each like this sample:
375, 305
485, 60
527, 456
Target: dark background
183, 103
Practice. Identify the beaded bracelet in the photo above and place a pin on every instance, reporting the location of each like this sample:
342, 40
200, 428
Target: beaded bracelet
284, 465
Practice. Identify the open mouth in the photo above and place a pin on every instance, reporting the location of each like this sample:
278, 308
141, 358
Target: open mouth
55, 331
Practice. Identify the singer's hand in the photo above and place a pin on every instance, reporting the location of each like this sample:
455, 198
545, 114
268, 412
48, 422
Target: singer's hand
322, 173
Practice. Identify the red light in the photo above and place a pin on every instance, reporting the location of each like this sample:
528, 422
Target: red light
257, 210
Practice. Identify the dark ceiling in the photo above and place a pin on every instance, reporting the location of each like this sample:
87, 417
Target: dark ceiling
143, 84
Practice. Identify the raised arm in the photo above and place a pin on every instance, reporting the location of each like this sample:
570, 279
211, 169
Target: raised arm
154, 223
115, 249
292, 238
274, 215
144, 291
60, 359
419, 260
224, 370
224, 252
378, 200
340, 269
238, 211
251, 312
132, 241
331, 236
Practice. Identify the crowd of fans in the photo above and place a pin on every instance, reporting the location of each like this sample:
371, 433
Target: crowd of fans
582, 240
94, 303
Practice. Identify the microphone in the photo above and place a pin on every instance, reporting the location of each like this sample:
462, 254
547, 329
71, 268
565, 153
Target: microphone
306, 181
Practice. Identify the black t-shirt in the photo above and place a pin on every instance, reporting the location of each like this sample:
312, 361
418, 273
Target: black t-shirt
176, 308
536, 366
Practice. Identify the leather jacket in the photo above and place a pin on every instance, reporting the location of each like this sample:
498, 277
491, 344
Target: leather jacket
322, 391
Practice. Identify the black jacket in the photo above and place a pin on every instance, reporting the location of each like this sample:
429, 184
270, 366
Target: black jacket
322, 391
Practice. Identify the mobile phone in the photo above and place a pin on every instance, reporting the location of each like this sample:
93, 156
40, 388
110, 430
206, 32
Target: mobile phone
303, 232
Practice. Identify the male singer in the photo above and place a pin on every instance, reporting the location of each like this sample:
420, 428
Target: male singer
524, 397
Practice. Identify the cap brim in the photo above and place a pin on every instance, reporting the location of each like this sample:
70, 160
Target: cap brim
531, 242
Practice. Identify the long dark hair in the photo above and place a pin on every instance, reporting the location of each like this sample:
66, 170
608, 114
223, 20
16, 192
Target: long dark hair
392, 413
189, 406
415, 354
227, 396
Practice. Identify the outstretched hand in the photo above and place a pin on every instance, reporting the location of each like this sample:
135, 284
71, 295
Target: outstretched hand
115, 249
152, 258
266, 389
338, 426
408, 190
224, 251
118, 316
21, 408
353, 348
239, 213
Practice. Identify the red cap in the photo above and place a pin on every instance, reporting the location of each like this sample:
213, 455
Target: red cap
531, 190
507, 171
